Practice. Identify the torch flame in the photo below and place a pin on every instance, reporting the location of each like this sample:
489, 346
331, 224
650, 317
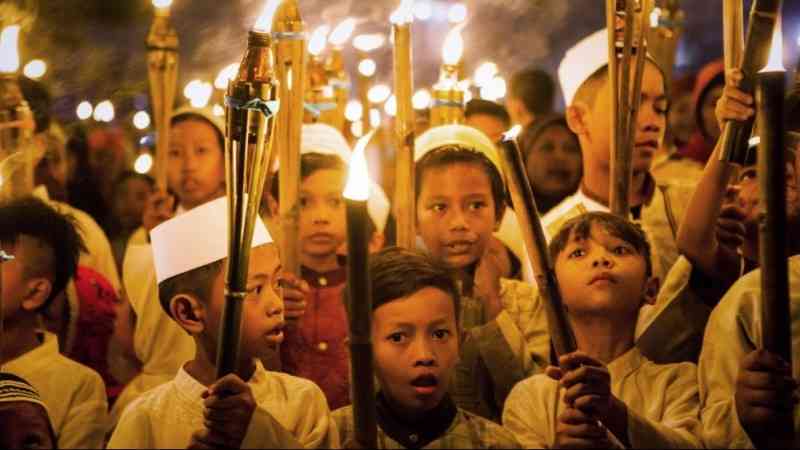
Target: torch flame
512, 134
9, 54
404, 13
162, 4
775, 63
369, 42
357, 187
316, 44
453, 47
342, 32
264, 22
225, 76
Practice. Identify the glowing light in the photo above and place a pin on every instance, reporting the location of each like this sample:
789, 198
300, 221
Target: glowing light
421, 99
162, 3
141, 120
342, 32
404, 14
457, 13
218, 110
357, 129
84, 110
353, 111
495, 90
379, 93
225, 76
512, 134
423, 10
35, 69
485, 73
198, 92
369, 42
390, 107
316, 43
104, 111
143, 163
775, 63
9, 54
374, 117
453, 47
367, 67
264, 22
357, 187
655, 17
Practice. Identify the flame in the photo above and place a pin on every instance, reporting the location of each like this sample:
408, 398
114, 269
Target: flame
453, 47
198, 92
422, 99
391, 106
9, 54
316, 44
354, 111
35, 69
775, 63
512, 134
357, 187
369, 42
404, 13
379, 93
485, 73
143, 163
264, 22
342, 32
367, 67
225, 76
162, 4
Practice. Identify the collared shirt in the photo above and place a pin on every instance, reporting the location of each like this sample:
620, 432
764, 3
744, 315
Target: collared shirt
669, 166
291, 413
734, 330
662, 403
74, 394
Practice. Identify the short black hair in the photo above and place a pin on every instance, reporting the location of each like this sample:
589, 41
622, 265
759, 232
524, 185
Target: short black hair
621, 228
197, 282
449, 155
397, 273
588, 90
56, 233
479, 106
534, 131
536, 88
39, 100
190, 116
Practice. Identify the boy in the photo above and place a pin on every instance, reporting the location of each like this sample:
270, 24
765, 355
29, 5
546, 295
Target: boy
271, 409
602, 263
415, 341
46, 246
460, 203
24, 422
658, 208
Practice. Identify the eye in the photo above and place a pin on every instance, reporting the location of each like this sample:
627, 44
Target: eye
577, 253
257, 289
335, 202
201, 150
174, 153
622, 250
303, 201
662, 106
749, 174
438, 207
441, 334
477, 206
397, 338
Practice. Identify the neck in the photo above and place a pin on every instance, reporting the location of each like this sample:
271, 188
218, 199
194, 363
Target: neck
321, 263
203, 367
19, 337
596, 183
603, 339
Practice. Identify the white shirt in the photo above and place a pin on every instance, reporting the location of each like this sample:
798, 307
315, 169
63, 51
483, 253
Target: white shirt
74, 394
291, 413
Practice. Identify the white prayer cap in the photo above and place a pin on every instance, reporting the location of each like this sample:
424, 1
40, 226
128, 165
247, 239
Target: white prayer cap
196, 238
581, 62
205, 113
460, 135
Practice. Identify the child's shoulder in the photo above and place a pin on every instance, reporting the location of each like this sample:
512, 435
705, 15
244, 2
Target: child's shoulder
486, 433
291, 388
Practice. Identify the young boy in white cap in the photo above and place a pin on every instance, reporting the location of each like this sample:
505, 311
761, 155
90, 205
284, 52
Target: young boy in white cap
270, 409
24, 421
657, 207
45, 245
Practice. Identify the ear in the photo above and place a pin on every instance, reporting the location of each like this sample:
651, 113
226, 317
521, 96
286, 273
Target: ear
37, 291
190, 314
650, 292
576, 114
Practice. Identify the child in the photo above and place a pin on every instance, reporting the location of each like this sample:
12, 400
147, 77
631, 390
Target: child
658, 208
602, 263
46, 246
460, 204
271, 409
24, 422
415, 341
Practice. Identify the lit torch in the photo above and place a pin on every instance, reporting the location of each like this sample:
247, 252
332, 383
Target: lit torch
250, 129
448, 96
404, 200
320, 98
340, 80
162, 71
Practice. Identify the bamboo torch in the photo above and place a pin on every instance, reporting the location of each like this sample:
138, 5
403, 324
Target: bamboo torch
763, 16
359, 299
448, 97
613, 80
404, 199
732, 33
320, 98
162, 71
249, 139
290, 57
340, 80
621, 153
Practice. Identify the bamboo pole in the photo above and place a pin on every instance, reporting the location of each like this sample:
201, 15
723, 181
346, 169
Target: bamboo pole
613, 80
732, 33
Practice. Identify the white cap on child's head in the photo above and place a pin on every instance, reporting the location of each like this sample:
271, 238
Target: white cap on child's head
196, 238
581, 62
460, 135
206, 113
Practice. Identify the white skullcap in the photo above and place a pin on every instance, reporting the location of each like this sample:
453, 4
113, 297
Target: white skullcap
196, 238
581, 62
461, 135
205, 113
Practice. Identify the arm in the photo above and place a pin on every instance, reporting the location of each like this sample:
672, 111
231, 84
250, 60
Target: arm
527, 413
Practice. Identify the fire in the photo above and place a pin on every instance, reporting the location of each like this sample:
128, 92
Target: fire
369, 42
775, 63
358, 182
404, 13
162, 4
512, 134
342, 32
264, 22
9, 53
485, 73
453, 47
367, 67
316, 44
225, 76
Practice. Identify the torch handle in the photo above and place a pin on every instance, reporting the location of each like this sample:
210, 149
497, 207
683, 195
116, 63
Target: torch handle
404, 199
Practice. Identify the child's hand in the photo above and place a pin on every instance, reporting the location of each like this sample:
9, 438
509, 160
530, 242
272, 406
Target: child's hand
294, 291
734, 103
229, 406
576, 429
159, 208
487, 281
765, 394
730, 226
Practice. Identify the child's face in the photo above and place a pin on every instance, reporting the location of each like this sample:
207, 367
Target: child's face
16, 286
415, 342
554, 162
456, 213
24, 425
262, 315
601, 274
130, 202
322, 213
195, 165
746, 194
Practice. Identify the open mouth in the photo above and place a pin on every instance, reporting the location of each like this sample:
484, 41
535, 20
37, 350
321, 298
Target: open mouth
425, 384
647, 145
275, 335
458, 247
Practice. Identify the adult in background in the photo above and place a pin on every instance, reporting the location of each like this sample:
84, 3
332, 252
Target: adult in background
489, 117
531, 94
